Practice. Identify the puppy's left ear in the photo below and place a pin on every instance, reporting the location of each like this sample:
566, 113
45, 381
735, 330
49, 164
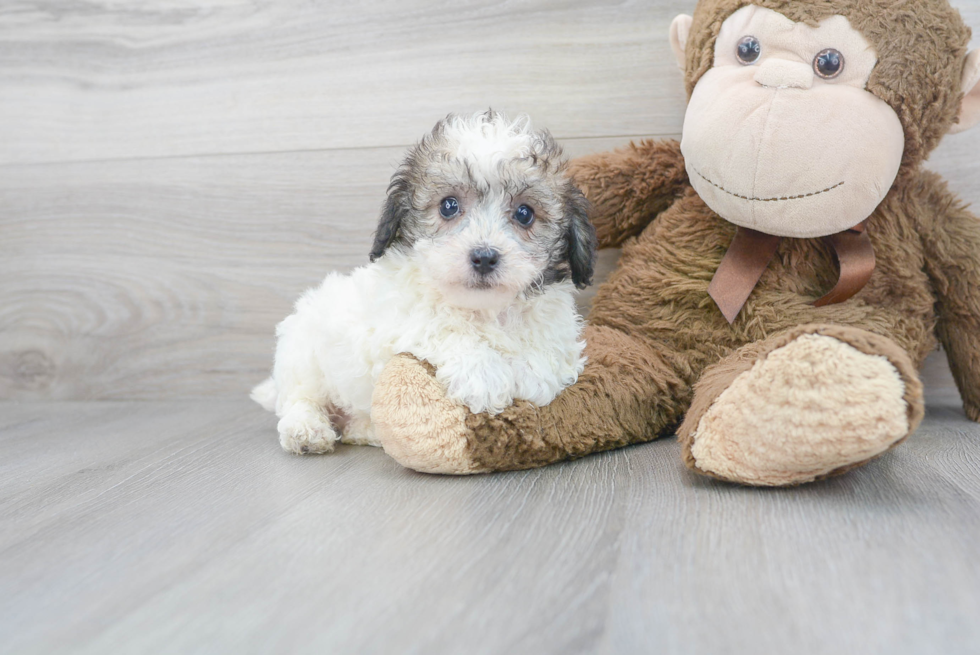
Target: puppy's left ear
395, 210
580, 239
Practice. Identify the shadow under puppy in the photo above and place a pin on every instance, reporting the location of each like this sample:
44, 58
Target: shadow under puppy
481, 243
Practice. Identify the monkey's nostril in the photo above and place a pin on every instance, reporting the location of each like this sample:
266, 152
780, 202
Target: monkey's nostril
484, 260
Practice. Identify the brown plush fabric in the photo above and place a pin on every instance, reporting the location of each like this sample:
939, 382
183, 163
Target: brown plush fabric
630, 186
654, 332
417, 424
951, 242
921, 47
629, 392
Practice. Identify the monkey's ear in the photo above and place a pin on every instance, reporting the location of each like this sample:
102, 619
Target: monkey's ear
580, 239
680, 29
970, 109
395, 209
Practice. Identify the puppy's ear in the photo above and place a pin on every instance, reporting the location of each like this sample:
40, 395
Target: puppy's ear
395, 210
580, 239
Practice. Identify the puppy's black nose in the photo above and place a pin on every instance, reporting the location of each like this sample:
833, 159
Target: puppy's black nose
484, 260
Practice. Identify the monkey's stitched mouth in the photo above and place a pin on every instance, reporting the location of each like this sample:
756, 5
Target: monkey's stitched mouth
737, 195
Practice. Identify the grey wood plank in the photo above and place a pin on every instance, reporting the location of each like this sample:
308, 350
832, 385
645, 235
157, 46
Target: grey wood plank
164, 278
56, 458
940, 388
155, 278
102, 80
181, 527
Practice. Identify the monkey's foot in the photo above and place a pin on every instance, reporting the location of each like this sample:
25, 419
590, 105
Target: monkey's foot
416, 423
805, 405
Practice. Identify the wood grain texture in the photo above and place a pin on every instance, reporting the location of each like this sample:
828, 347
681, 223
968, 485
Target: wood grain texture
174, 173
164, 278
142, 273
103, 79
181, 527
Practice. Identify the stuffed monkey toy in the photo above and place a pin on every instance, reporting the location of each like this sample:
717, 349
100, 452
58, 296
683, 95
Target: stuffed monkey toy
785, 268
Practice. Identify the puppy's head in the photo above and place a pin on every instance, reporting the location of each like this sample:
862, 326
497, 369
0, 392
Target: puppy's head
484, 204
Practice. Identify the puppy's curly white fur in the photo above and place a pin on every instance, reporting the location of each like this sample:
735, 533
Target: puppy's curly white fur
481, 243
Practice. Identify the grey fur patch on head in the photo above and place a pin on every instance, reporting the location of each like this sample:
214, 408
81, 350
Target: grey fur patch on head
492, 165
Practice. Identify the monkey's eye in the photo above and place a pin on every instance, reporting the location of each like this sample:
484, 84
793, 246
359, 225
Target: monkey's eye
449, 207
524, 215
748, 50
828, 63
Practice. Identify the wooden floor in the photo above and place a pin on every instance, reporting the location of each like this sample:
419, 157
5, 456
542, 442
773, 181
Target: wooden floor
174, 173
181, 527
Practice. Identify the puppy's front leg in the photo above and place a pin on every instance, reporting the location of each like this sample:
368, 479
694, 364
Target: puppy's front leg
540, 387
302, 404
480, 378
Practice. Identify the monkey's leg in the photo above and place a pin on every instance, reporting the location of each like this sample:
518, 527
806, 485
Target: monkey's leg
627, 393
809, 403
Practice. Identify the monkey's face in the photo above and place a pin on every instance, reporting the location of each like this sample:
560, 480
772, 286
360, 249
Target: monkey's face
781, 134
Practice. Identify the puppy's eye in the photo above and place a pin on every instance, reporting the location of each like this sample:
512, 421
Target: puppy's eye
449, 207
748, 50
828, 63
524, 215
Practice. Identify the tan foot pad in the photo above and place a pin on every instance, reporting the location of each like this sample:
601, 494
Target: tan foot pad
811, 407
415, 422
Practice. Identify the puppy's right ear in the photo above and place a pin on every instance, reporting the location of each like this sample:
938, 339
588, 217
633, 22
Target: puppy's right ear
395, 210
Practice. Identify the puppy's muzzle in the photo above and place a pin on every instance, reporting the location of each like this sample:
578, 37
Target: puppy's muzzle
484, 260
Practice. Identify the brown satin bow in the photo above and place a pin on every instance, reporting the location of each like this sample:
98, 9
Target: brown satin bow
751, 251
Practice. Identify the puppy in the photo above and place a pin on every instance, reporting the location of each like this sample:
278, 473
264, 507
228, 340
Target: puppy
481, 243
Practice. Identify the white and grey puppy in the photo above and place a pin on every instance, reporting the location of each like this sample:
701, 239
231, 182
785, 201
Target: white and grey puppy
481, 243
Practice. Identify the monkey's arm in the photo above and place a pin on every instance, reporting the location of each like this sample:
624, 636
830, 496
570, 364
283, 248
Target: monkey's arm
630, 186
951, 236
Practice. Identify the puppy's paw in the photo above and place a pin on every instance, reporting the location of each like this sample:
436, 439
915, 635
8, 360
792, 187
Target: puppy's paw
305, 430
481, 386
973, 411
540, 388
